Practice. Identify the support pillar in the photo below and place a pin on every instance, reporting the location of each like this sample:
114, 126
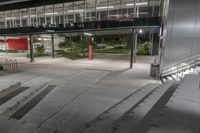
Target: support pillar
133, 47
31, 48
52, 46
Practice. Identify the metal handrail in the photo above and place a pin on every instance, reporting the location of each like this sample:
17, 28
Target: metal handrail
181, 68
187, 59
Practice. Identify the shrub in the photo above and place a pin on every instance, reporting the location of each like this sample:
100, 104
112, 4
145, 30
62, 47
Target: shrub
1, 68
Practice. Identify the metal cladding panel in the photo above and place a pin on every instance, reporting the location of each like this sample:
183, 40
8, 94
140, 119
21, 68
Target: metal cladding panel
182, 30
196, 45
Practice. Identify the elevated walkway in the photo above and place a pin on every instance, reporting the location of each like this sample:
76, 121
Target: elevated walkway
148, 22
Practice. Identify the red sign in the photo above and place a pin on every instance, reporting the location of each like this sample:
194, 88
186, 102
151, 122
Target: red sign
90, 52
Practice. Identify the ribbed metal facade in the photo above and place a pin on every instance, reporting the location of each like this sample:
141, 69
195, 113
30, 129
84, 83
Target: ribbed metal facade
181, 31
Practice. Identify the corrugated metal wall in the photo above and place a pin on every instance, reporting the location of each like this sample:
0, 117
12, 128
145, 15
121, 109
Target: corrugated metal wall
181, 30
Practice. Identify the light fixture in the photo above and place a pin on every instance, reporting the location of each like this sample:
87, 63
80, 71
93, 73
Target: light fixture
137, 4
87, 34
105, 7
140, 31
44, 39
130, 4
71, 11
51, 13
26, 16
144, 3
10, 18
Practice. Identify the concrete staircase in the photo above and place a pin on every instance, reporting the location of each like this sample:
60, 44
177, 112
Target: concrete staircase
182, 113
134, 113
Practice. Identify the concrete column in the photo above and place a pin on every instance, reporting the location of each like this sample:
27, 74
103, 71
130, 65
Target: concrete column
133, 47
52, 46
31, 48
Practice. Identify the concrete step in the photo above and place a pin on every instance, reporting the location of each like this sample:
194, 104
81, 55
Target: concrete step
181, 114
32, 103
138, 119
107, 119
8, 88
14, 104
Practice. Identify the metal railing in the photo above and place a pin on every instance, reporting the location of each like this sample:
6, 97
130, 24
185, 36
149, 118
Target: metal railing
189, 62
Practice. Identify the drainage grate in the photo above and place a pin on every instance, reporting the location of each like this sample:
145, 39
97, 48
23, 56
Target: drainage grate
12, 94
31, 104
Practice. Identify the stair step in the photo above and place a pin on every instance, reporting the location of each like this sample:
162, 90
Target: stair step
138, 119
7, 88
12, 94
32, 103
105, 120
21, 99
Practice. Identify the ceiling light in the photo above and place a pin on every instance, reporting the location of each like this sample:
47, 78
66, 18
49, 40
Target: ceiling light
71, 11
87, 34
144, 3
9, 18
130, 4
105, 7
137, 4
51, 13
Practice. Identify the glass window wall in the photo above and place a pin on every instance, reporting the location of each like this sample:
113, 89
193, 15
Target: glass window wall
69, 12
90, 13
2, 20
59, 14
33, 17
80, 11
8, 18
41, 15
115, 9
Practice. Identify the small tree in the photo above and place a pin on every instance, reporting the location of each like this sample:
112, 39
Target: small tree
40, 49
84, 46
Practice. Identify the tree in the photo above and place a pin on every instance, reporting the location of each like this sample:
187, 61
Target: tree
84, 46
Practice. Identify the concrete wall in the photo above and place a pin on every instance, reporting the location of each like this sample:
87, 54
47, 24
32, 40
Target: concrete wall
181, 30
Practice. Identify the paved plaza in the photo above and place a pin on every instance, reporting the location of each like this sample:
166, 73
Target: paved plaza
83, 90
